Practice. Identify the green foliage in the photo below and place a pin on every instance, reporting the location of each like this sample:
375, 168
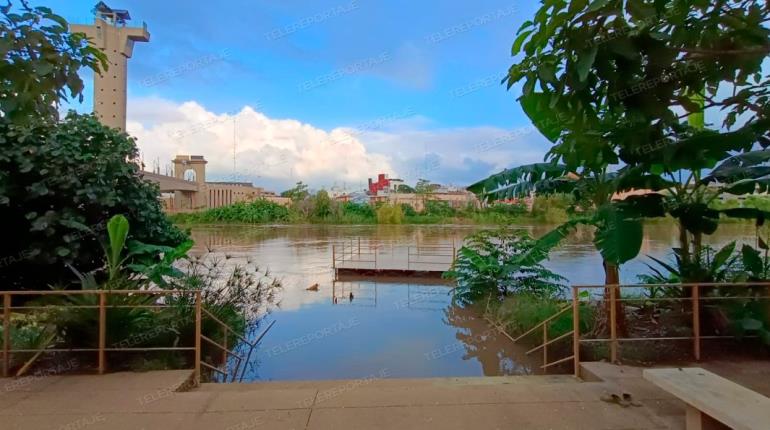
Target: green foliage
59, 184
156, 262
257, 211
423, 186
322, 204
298, 193
117, 232
390, 214
500, 263
438, 208
709, 266
408, 210
40, 63
521, 312
552, 208
403, 188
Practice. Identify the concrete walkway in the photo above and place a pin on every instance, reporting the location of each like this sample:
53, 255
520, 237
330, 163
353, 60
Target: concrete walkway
151, 401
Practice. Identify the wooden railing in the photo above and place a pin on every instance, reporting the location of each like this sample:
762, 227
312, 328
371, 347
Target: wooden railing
101, 350
610, 298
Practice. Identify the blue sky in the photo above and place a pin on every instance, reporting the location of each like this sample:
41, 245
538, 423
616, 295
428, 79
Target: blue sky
414, 84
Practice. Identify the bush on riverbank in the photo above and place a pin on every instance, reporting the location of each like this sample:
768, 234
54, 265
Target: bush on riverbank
257, 212
499, 263
332, 212
519, 313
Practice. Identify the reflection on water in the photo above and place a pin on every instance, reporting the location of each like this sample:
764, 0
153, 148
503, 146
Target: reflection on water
356, 329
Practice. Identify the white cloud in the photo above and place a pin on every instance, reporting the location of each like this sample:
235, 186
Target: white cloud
275, 153
269, 151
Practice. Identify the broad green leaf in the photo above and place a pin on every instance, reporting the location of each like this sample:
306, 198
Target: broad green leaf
617, 238
585, 62
519, 40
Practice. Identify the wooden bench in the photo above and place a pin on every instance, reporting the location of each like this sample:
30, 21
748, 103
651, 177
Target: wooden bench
713, 402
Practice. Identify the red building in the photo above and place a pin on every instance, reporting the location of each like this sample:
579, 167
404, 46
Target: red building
383, 183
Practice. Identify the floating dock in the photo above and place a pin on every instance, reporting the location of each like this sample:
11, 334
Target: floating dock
376, 260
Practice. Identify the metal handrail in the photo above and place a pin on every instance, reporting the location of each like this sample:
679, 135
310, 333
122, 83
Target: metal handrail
545, 321
102, 348
613, 340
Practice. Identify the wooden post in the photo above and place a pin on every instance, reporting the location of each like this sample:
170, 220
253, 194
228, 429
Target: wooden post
198, 316
696, 321
545, 347
334, 257
102, 331
576, 330
224, 353
6, 334
375, 258
359, 246
613, 324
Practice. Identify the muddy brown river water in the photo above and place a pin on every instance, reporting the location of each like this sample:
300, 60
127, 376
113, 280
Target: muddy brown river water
395, 328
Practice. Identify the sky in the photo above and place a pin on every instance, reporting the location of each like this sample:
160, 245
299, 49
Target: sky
326, 92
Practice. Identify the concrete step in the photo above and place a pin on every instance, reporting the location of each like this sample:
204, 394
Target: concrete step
390, 382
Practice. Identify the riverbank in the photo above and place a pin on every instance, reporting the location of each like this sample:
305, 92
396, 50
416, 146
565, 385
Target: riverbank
545, 210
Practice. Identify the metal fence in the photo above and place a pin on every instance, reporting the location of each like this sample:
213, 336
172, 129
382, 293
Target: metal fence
106, 300
617, 314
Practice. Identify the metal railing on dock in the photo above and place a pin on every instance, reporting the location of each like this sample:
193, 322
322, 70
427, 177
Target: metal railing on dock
392, 258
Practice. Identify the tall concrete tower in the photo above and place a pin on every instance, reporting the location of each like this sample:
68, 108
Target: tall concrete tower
110, 34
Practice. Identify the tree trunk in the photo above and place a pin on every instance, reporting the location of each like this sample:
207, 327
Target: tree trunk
684, 244
697, 239
612, 277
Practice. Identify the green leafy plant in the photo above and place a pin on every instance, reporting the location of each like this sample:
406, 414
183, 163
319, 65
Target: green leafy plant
41, 62
500, 263
59, 184
390, 214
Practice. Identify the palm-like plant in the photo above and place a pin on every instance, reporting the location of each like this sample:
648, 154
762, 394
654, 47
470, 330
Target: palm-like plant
501, 262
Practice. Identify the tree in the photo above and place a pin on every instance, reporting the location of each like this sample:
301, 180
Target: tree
605, 81
298, 193
403, 188
323, 204
59, 184
40, 62
627, 82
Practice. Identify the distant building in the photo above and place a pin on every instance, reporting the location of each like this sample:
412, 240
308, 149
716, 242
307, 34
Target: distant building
383, 184
385, 190
188, 189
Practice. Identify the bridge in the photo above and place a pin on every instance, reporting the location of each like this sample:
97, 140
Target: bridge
191, 191
170, 184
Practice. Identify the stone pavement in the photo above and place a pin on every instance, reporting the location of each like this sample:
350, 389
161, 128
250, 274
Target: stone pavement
151, 401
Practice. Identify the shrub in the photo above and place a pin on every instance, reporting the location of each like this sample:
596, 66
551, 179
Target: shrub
59, 183
359, 209
389, 214
521, 312
552, 208
257, 211
408, 210
438, 208
495, 262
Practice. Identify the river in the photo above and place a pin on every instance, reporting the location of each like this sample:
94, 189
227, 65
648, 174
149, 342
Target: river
399, 328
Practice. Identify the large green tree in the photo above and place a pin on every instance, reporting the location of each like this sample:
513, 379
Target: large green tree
620, 88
